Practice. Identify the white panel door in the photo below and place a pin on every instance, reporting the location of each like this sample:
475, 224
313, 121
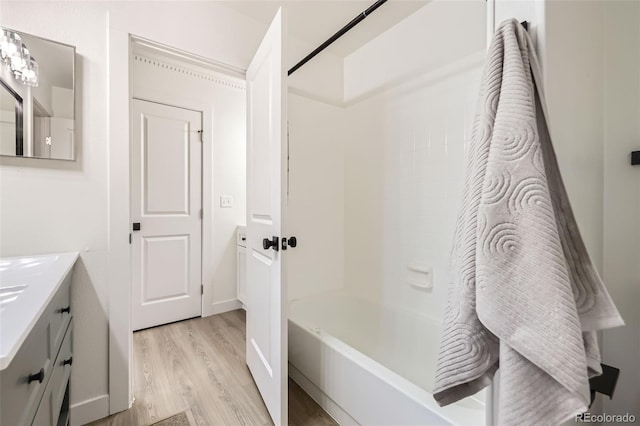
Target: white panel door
266, 297
61, 138
166, 176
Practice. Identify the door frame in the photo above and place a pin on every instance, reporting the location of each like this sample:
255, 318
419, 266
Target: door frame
202, 179
119, 278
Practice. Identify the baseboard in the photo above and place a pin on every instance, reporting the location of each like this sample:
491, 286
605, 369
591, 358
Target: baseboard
90, 410
334, 410
221, 307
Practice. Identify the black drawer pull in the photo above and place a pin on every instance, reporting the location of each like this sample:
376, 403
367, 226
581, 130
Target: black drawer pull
68, 361
67, 310
39, 376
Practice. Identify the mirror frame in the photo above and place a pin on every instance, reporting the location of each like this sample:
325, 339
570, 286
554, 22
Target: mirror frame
20, 123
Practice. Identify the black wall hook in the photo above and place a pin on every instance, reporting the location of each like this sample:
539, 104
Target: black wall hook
605, 383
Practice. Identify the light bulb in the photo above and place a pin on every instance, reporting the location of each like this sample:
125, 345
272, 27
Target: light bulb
17, 63
4, 44
14, 43
33, 69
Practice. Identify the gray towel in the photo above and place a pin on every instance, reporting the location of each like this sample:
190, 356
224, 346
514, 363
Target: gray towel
525, 293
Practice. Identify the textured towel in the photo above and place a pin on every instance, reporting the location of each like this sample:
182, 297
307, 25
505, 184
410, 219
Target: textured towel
525, 293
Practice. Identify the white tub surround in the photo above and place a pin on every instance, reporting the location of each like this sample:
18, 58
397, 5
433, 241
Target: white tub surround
366, 363
27, 285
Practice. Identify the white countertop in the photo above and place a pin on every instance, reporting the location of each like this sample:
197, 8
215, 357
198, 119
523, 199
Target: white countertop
27, 285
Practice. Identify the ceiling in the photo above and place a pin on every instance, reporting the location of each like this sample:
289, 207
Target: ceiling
314, 21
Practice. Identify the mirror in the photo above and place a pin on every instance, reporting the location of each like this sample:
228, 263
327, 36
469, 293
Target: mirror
37, 97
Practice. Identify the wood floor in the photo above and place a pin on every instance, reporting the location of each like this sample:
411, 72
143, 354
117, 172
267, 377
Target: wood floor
198, 366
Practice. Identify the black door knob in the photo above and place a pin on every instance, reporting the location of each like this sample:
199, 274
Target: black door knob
270, 243
293, 242
39, 376
136, 226
68, 361
66, 310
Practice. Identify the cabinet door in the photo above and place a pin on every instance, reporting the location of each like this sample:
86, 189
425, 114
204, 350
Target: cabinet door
61, 311
20, 398
51, 403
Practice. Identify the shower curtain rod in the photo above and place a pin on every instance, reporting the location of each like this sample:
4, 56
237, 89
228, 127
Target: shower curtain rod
355, 21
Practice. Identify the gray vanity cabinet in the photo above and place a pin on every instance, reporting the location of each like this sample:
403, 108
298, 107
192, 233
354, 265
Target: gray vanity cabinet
34, 386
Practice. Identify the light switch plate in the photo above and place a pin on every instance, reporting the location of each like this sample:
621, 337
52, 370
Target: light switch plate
226, 201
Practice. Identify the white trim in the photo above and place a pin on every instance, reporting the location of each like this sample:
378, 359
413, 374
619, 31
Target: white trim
191, 58
89, 410
119, 250
221, 307
491, 21
322, 399
181, 100
193, 72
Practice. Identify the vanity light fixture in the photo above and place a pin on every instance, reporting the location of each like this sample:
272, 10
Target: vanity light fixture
16, 56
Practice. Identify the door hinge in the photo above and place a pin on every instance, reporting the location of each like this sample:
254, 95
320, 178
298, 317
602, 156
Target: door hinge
201, 288
130, 237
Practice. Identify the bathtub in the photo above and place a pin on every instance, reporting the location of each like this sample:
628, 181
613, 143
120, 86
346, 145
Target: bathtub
371, 365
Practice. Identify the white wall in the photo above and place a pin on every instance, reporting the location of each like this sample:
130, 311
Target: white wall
222, 99
25, 92
363, 201
8, 128
404, 160
62, 102
439, 33
404, 174
63, 206
621, 346
573, 58
51, 206
320, 78
315, 206
590, 53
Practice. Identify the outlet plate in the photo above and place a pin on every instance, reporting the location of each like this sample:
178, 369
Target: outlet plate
226, 201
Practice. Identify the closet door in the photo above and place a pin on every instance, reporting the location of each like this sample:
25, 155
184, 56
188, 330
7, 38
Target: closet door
166, 199
266, 301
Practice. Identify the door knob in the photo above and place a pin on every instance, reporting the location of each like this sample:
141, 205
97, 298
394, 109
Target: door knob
270, 243
289, 242
136, 226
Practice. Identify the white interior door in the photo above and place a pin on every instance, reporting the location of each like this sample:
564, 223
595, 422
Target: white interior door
266, 302
166, 173
61, 137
